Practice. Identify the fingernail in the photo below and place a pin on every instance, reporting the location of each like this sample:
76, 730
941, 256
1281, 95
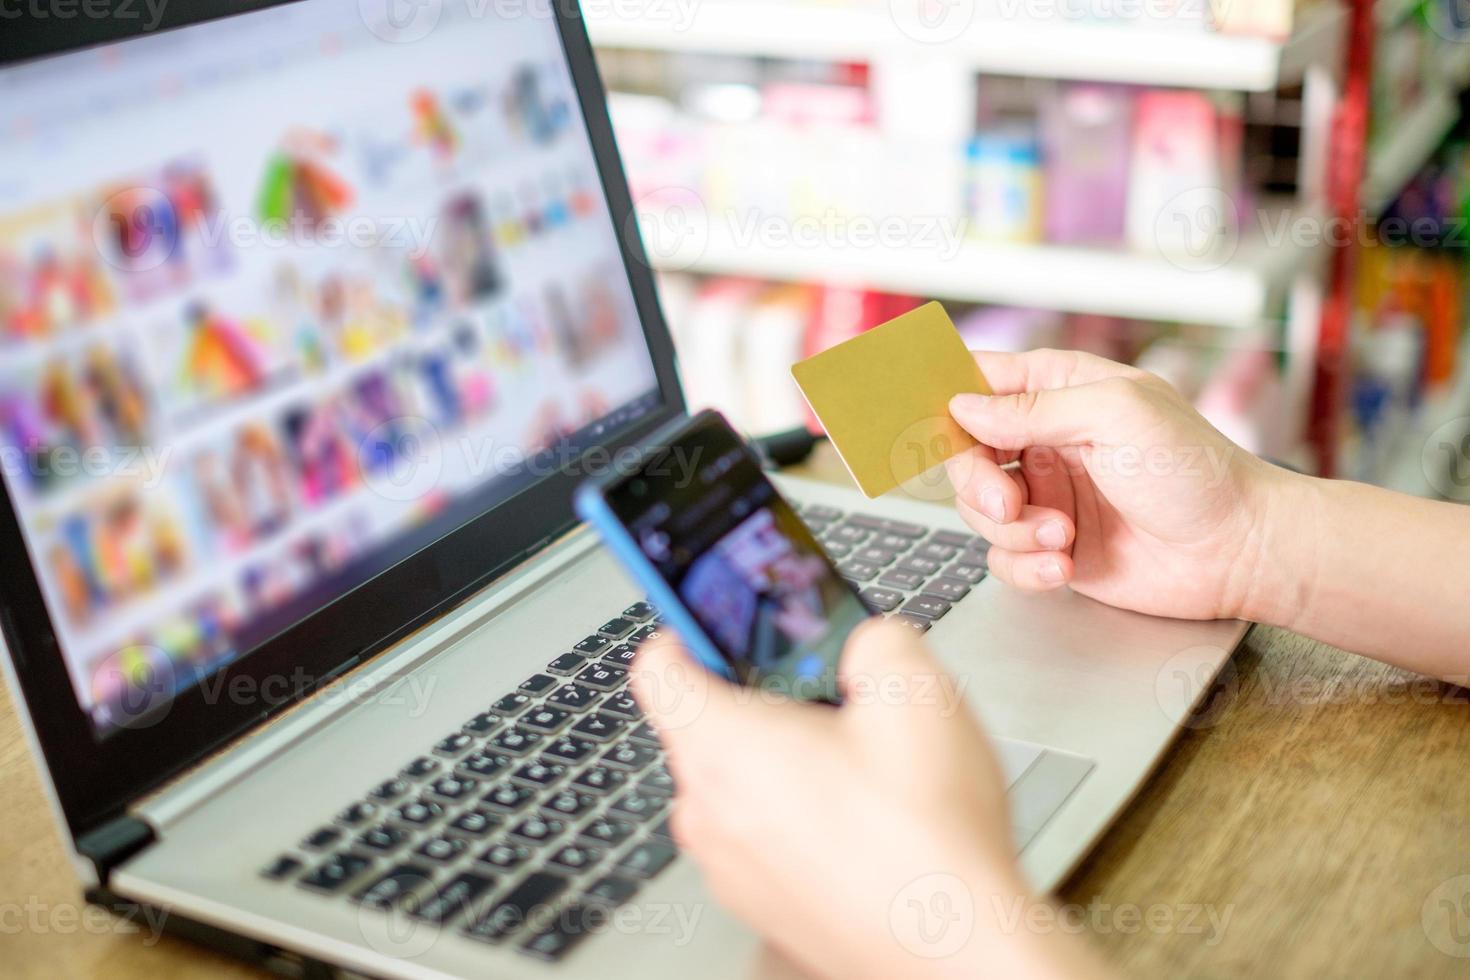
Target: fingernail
1052, 536
993, 504
967, 404
1051, 571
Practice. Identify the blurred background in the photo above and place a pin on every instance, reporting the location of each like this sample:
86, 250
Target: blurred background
1264, 202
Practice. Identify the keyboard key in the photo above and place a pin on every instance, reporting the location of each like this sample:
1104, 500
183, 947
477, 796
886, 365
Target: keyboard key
539, 773
953, 539
282, 868
384, 838
644, 634
336, 873
482, 724
420, 767
924, 566
821, 512
505, 855
574, 698
320, 840
561, 933
621, 656
636, 805
881, 600
903, 528
663, 831
537, 830
390, 790
508, 797
915, 623
601, 779
546, 719
482, 765
658, 782
575, 858
948, 589
512, 704
639, 612
891, 542
836, 550
645, 733
569, 805
474, 823
623, 705
456, 744
514, 741
592, 646
937, 551
966, 571
602, 677
511, 913
608, 832
881, 557
617, 628
610, 891
901, 579
647, 859
538, 684
848, 534
630, 756
358, 814
858, 571
395, 888
599, 727
454, 898
567, 663
442, 848
453, 787
418, 813
569, 749
926, 608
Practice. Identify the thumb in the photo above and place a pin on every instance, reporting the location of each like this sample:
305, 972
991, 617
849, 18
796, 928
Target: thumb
889, 671
1048, 417
675, 690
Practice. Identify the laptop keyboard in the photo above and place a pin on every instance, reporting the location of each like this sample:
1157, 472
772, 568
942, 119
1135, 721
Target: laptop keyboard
544, 813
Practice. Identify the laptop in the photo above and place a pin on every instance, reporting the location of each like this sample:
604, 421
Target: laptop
312, 317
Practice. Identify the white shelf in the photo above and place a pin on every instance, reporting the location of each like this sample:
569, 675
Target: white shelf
1406, 148
1404, 469
1241, 294
1183, 57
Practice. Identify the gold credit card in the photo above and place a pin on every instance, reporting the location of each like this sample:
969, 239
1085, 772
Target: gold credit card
883, 397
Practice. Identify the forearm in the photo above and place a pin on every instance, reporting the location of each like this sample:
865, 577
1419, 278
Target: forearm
1378, 573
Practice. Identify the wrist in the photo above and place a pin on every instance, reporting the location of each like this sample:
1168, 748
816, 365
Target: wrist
1279, 565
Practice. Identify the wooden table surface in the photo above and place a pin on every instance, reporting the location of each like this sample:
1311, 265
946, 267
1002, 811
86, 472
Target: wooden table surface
1313, 822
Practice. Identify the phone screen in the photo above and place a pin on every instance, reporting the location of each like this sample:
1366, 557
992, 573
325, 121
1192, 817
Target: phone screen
741, 561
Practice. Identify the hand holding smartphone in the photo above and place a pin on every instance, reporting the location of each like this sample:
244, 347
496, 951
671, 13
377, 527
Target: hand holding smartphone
735, 570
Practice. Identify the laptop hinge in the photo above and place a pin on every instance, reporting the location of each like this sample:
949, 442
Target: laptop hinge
113, 843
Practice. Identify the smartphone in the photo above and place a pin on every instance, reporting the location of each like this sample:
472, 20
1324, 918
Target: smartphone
727, 560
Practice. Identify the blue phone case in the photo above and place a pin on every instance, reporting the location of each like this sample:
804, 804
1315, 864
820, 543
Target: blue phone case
592, 507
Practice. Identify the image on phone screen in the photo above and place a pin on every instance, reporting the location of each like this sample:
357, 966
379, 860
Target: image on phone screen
741, 561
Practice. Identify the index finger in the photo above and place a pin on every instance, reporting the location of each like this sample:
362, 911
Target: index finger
1037, 370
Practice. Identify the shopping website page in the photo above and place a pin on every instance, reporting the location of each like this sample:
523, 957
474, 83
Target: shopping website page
278, 298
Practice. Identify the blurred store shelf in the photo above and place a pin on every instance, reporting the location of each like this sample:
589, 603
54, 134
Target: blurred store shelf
1239, 293
1184, 57
1406, 470
1405, 148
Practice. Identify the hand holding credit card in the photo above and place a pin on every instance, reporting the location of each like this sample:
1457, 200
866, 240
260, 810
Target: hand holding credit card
883, 397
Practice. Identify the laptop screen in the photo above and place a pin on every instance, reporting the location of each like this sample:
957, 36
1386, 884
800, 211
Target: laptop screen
284, 299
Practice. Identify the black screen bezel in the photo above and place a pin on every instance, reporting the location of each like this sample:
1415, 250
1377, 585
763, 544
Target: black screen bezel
94, 780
